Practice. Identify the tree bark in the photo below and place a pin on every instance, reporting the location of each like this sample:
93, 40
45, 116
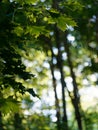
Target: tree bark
76, 99
56, 99
97, 28
1, 124
52, 68
60, 67
17, 122
55, 91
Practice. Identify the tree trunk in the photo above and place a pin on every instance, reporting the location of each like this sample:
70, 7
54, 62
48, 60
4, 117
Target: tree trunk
60, 67
96, 28
76, 98
52, 67
1, 124
55, 91
17, 122
56, 100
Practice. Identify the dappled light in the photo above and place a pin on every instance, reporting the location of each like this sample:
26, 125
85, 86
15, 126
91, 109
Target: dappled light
48, 65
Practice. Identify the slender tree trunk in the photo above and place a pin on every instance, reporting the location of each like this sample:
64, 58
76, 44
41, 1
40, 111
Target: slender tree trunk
55, 91
56, 99
52, 67
97, 28
1, 124
76, 98
60, 67
17, 122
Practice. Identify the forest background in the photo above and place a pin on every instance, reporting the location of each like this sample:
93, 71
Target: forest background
48, 65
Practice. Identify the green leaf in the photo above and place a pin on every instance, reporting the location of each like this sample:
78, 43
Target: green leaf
54, 13
64, 22
8, 105
31, 91
61, 23
27, 1
36, 30
18, 30
51, 20
31, 1
70, 22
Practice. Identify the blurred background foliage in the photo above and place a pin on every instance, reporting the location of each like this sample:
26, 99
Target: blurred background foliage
48, 65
